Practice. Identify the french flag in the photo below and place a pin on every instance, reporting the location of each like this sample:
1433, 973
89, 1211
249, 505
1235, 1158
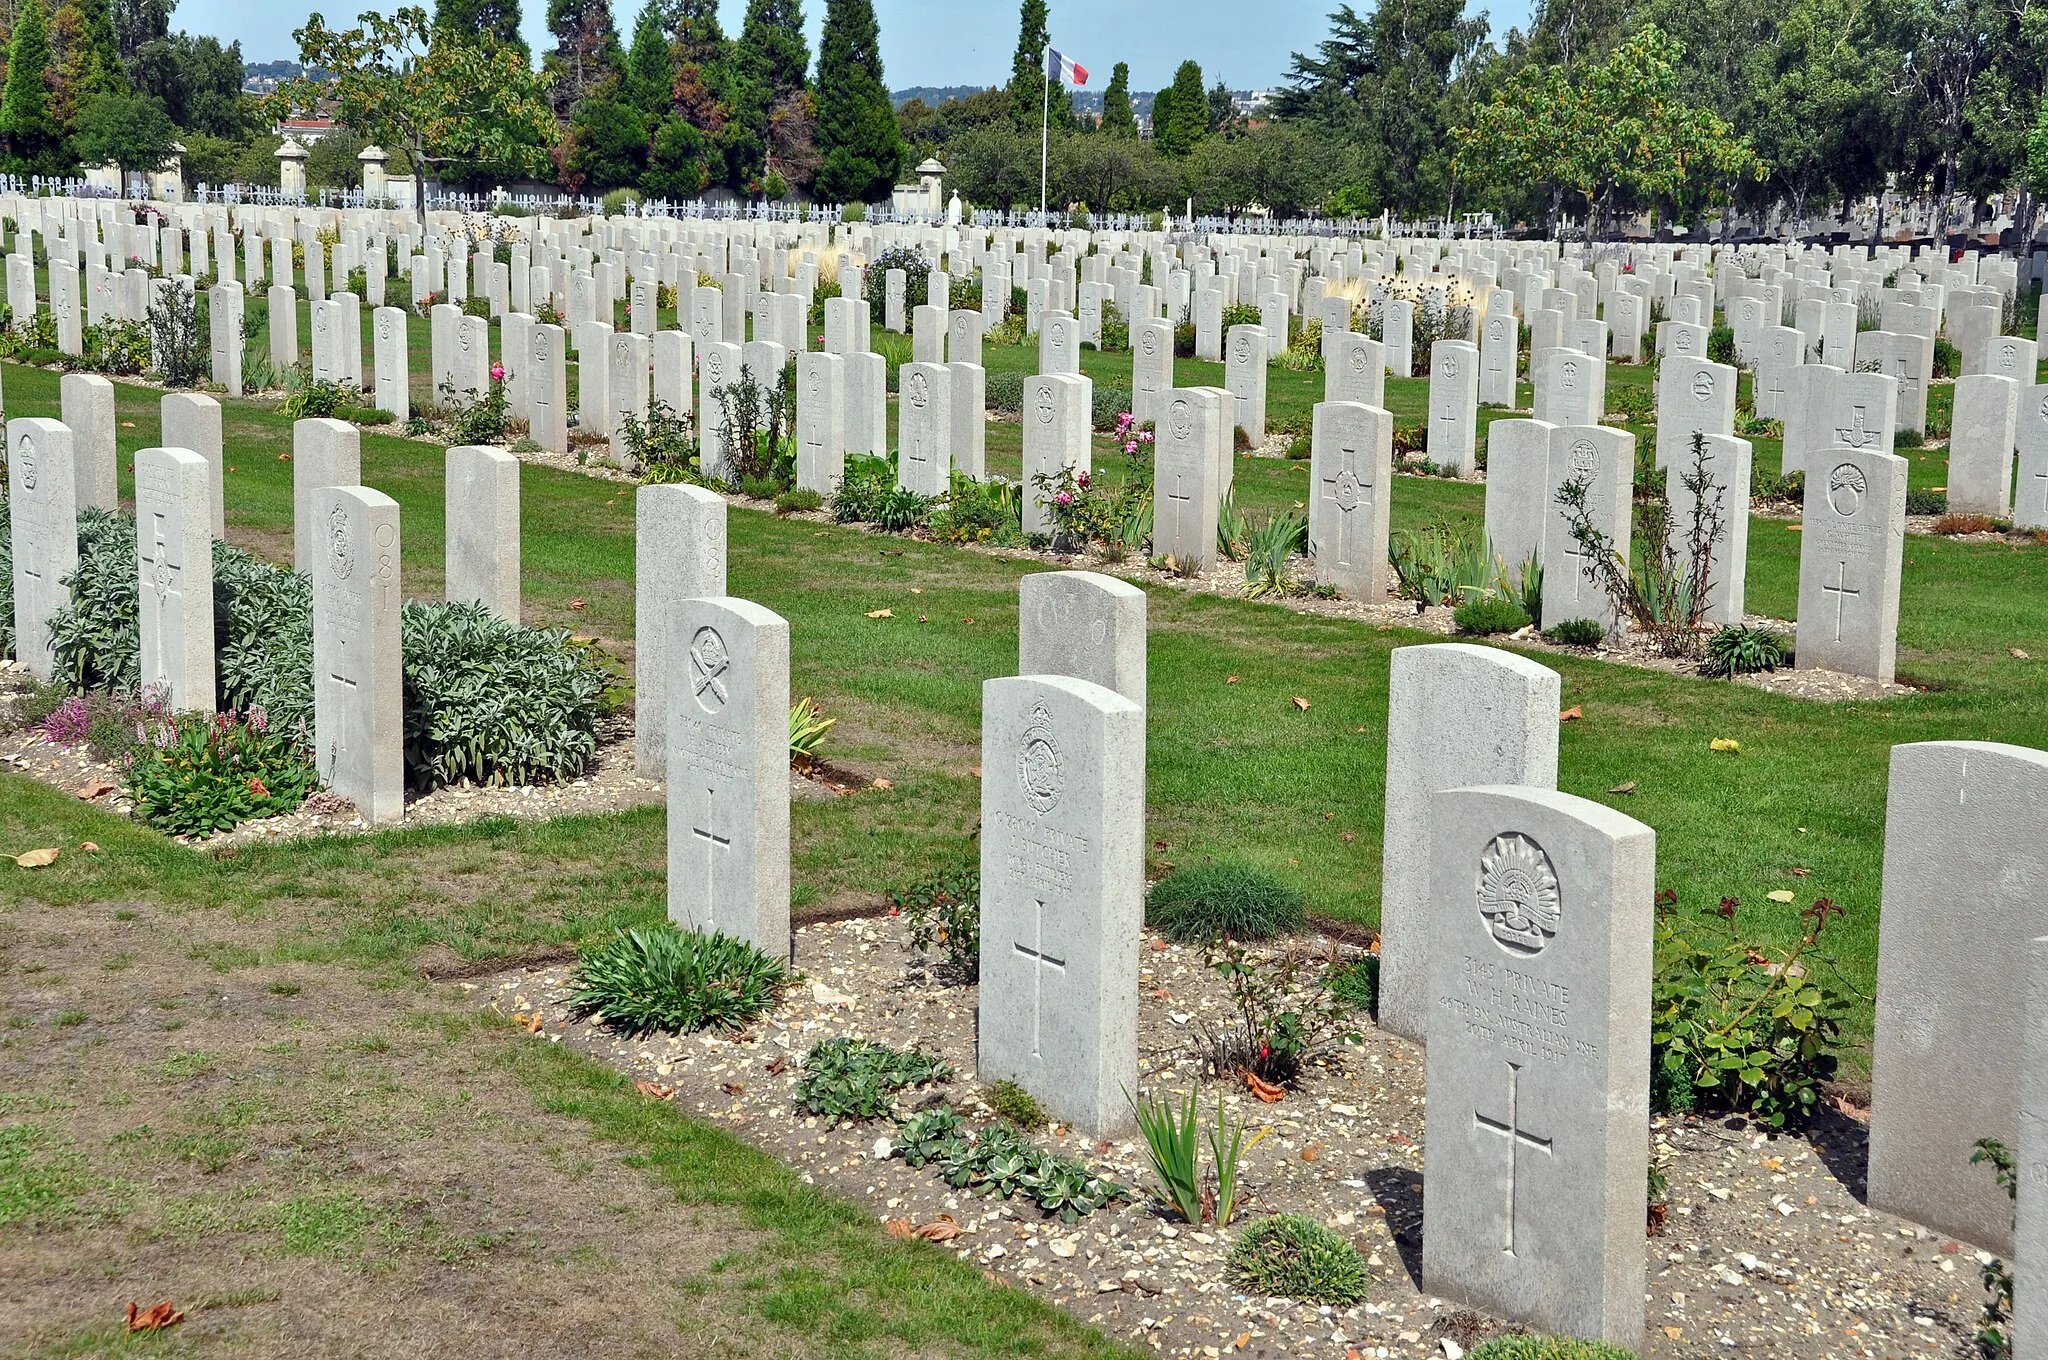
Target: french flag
1065, 69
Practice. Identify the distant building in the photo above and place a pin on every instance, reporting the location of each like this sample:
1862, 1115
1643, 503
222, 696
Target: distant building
306, 131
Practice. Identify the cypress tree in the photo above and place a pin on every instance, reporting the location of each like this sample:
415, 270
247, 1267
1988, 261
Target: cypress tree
772, 56
1028, 99
857, 131
26, 122
650, 68
1185, 120
494, 22
1117, 118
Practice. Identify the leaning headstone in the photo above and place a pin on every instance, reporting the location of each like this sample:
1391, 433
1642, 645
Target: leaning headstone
1537, 1149
1964, 869
42, 511
1517, 490
325, 452
728, 771
1083, 624
482, 487
1850, 550
1055, 420
1186, 490
1062, 875
86, 404
924, 436
174, 566
1605, 460
1351, 477
678, 554
1983, 431
1723, 497
1457, 715
191, 420
358, 662
1454, 406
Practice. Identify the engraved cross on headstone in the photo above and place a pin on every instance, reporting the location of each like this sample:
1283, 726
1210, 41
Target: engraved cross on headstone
1840, 590
1341, 489
1180, 501
1518, 1138
713, 843
1035, 951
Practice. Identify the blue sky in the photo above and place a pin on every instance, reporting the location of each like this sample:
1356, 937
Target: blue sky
949, 42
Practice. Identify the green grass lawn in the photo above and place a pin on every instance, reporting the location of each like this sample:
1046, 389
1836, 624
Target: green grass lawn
1235, 769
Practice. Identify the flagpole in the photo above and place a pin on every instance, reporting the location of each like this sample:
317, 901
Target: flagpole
1044, 128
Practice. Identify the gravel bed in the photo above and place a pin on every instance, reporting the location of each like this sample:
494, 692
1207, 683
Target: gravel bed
1767, 1250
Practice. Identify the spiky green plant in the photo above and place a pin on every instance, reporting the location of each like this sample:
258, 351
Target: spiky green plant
1292, 1256
652, 978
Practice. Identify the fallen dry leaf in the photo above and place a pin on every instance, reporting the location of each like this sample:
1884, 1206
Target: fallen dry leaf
530, 1023
99, 788
154, 1319
89, 847
284, 458
1728, 744
576, 603
898, 1227
1265, 1090
1627, 786
36, 859
1674, 1333
940, 1229
885, 783
922, 619
1779, 894
1312, 1152
1347, 838
1799, 873
779, 1066
732, 1088
1795, 528
1572, 714
2017, 653
1243, 1339
1301, 703
881, 613
127, 424
654, 1090
967, 620
1231, 681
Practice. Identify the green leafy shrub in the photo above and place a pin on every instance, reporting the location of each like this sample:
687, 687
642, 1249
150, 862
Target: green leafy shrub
660, 978
1357, 984
1764, 487
1443, 564
117, 347
663, 444
866, 481
1908, 439
1577, 632
978, 512
1920, 501
761, 488
1740, 649
1109, 403
902, 510
1000, 1162
1721, 345
917, 280
212, 772
1295, 1257
97, 637
483, 420
1490, 614
1005, 392
1633, 402
944, 912
1739, 1026
1015, 1105
1229, 899
313, 399
1520, 1347
798, 501
1269, 553
1948, 360
1176, 1157
858, 1079
1281, 1016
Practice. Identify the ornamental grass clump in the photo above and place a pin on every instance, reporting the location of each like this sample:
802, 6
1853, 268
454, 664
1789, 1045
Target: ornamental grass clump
1292, 1256
650, 978
1228, 898
1520, 1347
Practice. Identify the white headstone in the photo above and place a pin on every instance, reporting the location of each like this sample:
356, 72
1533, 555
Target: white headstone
174, 564
482, 494
191, 420
678, 554
1083, 624
1351, 475
42, 508
325, 452
358, 662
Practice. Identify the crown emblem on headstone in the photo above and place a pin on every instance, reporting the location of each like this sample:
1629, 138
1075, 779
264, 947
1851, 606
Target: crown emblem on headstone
1517, 893
1039, 771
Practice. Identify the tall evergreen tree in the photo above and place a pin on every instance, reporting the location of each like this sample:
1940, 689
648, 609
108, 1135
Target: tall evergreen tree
88, 58
771, 109
1029, 102
1222, 106
494, 21
650, 66
1180, 113
703, 64
586, 53
31, 130
1117, 118
772, 56
138, 23
857, 132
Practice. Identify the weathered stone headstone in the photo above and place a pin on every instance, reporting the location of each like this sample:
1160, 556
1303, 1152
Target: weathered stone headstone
1151, 367
191, 420
1693, 396
1965, 891
1357, 370
969, 411
1832, 409
1062, 873
1606, 460
174, 564
1850, 551
1351, 474
325, 452
358, 662
86, 405
224, 335
1245, 376
924, 435
1454, 406
1185, 484
284, 327
728, 771
2030, 502
389, 363
1517, 488
547, 388
1083, 624
678, 554
1457, 715
674, 373
1059, 343
820, 421
1500, 341
1983, 432
718, 364
482, 486
1725, 463
2030, 1213
1055, 419
42, 508
1564, 386
1537, 1148
1397, 333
